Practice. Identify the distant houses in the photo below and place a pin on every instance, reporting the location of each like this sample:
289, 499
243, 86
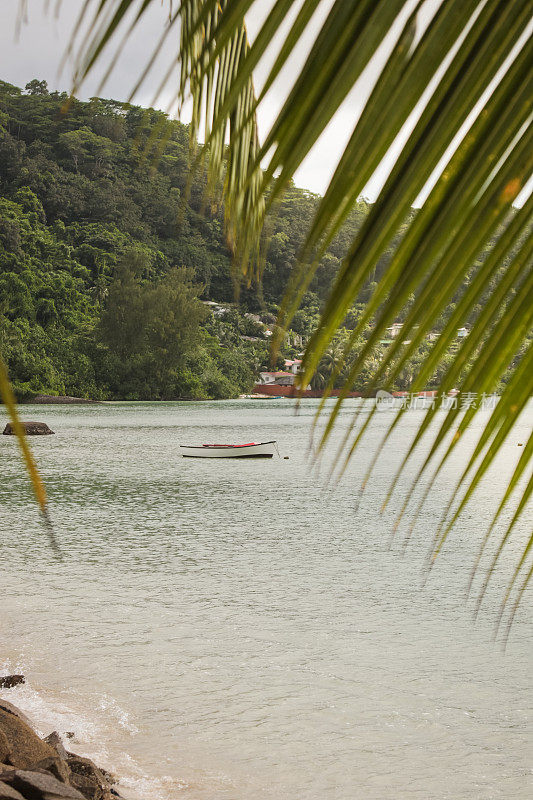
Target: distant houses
293, 365
277, 378
395, 330
286, 377
216, 309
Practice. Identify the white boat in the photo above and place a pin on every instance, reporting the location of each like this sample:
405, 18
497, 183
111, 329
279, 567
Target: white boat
249, 450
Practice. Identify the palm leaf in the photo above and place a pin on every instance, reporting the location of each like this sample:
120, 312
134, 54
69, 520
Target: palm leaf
8, 399
457, 91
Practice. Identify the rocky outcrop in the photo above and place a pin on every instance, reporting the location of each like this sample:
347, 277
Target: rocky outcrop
8, 793
55, 741
38, 784
88, 778
5, 748
32, 768
15, 711
30, 428
8, 681
52, 399
25, 746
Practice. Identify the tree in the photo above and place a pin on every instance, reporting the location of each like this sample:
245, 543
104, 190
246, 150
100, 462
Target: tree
36, 87
469, 201
150, 328
86, 147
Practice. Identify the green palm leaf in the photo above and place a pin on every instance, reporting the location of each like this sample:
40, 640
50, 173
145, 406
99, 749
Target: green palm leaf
8, 399
457, 90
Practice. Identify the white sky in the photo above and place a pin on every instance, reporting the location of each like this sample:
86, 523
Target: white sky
37, 53
38, 50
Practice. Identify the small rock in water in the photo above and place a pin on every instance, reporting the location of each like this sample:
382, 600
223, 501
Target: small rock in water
30, 428
8, 681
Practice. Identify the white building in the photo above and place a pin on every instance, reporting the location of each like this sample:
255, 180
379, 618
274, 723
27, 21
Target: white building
293, 366
276, 378
216, 309
394, 330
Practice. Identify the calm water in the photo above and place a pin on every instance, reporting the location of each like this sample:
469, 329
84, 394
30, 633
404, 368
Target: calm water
234, 631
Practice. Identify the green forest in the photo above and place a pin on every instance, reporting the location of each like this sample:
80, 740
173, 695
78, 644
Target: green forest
109, 251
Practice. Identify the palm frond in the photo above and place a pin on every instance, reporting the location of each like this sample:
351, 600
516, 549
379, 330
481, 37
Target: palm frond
456, 93
8, 399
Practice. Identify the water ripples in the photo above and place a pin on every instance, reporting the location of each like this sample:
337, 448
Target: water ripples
239, 631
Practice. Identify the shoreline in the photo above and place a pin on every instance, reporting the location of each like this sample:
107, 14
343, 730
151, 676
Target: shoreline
34, 766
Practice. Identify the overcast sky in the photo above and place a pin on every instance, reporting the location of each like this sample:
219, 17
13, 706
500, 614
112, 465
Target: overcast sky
38, 49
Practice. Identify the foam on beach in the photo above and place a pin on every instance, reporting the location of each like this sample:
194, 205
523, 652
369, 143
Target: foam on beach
96, 730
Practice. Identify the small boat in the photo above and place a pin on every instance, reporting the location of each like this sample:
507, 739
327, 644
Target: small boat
248, 450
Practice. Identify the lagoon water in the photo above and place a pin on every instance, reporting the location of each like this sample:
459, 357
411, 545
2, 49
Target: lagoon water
233, 630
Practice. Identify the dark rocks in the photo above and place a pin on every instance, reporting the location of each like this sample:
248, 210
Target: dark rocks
91, 788
56, 767
8, 793
89, 779
54, 740
84, 766
26, 747
30, 428
37, 783
35, 769
5, 749
8, 681
5, 706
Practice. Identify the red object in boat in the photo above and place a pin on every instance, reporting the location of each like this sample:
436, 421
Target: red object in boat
248, 444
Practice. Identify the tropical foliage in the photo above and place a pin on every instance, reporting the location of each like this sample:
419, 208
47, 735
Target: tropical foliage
78, 207
457, 90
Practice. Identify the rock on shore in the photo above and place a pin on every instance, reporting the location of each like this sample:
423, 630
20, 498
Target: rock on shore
30, 428
52, 399
32, 768
8, 681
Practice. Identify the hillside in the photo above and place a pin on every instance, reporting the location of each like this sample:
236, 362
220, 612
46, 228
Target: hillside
104, 265
98, 187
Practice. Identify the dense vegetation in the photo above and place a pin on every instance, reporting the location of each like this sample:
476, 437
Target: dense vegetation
100, 276
106, 255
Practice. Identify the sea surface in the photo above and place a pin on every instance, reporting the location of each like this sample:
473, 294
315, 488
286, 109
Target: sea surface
245, 630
